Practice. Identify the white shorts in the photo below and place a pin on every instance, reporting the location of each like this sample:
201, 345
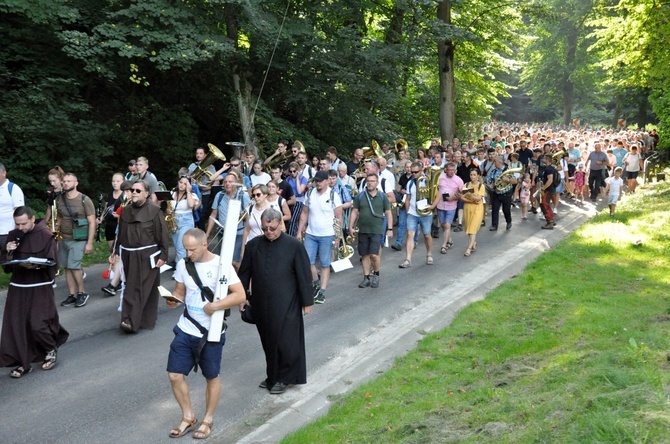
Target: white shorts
612, 199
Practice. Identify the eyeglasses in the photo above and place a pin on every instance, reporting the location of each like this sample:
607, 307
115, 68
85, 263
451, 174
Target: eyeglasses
137, 190
258, 194
270, 229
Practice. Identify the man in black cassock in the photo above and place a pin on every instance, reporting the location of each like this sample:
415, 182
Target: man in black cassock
142, 236
277, 268
31, 331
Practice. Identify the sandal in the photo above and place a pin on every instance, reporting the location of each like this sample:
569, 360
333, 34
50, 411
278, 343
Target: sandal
474, 247
20, 371
467, 252
177, 432
443, 250
198, 434
429, 260
49, 360
450, 244
405, 264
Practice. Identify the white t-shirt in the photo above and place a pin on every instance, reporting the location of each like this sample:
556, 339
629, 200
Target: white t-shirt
209, 274
181, 207
615, 185
389, 184
322, 212
7, 205
263, 179
632, 162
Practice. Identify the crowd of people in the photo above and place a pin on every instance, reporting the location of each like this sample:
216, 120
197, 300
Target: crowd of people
295, 211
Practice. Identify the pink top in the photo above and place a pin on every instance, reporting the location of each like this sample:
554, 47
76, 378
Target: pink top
448, 185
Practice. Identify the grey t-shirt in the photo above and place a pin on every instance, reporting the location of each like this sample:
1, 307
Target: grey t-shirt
597, 157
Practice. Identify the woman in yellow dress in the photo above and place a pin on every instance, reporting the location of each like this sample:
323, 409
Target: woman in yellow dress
473, 208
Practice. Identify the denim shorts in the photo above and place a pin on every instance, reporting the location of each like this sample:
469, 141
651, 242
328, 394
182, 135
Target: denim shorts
425, 221
182, 355
321, 245
445, 216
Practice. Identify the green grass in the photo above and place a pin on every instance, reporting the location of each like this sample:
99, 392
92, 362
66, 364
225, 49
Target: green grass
100, 255
573, 350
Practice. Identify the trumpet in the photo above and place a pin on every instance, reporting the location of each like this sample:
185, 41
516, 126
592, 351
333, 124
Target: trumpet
344, 251
53, 224
352, 236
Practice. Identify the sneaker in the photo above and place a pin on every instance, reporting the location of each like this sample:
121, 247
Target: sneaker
69, 301
109, 289
316, 285
320, 298
548, 226
81, 299
374, 281
364, 283
533, 210
396, 247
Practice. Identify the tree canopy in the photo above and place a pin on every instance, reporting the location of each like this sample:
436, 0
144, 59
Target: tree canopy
89, 84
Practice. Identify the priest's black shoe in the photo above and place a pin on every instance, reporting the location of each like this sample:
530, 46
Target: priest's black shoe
493, 229
278, 388
263, 384
509, 226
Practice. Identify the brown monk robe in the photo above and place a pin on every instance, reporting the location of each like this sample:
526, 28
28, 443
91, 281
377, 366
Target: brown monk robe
30, 326
142, 233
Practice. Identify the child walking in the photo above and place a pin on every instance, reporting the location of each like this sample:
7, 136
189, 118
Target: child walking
524, 195
614, 189
580, 180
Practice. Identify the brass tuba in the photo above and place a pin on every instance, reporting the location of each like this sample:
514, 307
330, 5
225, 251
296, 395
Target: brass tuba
201, 169
499, 185
368, 154
170, 220
428, 188
556, 158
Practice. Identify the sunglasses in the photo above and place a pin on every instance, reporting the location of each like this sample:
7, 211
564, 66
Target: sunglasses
258, 194
270, 229
234, 165
293, 171
137, 190
416, 172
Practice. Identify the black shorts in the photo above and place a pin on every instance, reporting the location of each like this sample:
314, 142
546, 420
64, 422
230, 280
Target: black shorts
571, 171
369, 244
632, 174
110, 229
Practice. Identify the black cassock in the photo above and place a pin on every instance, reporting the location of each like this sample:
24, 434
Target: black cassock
281, 282
30, 326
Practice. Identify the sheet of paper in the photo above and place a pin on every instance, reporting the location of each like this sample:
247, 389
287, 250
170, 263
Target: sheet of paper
341, 265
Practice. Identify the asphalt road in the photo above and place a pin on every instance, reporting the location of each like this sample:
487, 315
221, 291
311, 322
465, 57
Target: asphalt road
113, 387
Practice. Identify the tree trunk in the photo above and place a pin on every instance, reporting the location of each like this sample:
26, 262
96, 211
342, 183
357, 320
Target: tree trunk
445, 56
241, 85
568, 86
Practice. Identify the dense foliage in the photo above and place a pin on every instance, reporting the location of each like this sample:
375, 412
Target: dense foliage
89, 84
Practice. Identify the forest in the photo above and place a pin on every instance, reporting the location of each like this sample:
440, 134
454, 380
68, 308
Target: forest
90, 84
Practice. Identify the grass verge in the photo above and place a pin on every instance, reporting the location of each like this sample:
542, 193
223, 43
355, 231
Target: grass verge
575, 349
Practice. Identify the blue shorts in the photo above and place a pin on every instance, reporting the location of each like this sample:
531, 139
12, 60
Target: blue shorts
425, 221
182, 355
445, 216
321, 245
612, 199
